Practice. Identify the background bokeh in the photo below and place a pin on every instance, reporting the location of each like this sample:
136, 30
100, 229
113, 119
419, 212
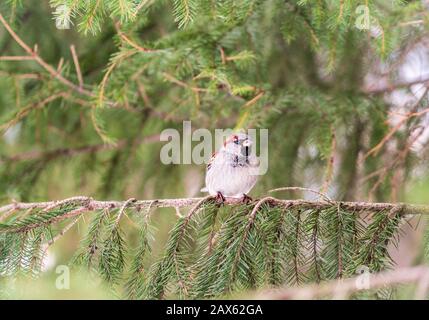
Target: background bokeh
330, 84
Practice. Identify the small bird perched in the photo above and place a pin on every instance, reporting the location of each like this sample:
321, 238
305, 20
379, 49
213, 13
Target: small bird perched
231, 172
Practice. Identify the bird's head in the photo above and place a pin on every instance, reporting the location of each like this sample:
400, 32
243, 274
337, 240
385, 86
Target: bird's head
238, 144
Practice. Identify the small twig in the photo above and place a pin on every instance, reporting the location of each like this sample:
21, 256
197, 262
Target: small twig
123, 208
52, 71
7, 214
60, 65
330, 163
222, 55
258, 206
78, 199
373, 89
182, 84
33, 106
71, 152
77, 65
130, 42
392, 131
15, 58
46, 246
19, 76
302, 189
178, 213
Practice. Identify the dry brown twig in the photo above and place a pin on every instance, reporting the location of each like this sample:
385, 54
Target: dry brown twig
77, 65
392, 131
126, 39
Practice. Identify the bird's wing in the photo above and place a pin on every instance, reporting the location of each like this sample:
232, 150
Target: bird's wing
209, 164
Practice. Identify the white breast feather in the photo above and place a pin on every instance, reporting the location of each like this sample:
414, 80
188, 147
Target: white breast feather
230, 181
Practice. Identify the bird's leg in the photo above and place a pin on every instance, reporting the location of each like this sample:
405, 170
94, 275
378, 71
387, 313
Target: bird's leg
220, 198
246, 199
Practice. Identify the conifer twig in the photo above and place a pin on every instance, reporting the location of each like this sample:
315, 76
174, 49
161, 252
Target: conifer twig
123, 208
32, 106
77, 65
129, 41
15, 58
34, 55
55, 73
249, 225
330, 162
323, 195
70, 152
46, 246
373, 89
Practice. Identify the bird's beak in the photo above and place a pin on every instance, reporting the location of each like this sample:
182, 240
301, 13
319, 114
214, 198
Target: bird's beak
246, 147
247, 143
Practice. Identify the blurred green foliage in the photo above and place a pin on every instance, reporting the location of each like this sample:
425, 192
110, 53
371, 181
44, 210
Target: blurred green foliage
148, 65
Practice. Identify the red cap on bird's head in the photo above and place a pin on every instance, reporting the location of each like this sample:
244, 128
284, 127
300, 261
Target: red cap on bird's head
238, 143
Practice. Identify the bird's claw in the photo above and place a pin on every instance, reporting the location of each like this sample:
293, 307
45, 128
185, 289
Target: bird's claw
220, 198
246, 199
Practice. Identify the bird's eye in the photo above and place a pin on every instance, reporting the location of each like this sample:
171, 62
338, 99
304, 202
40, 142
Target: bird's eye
236, 140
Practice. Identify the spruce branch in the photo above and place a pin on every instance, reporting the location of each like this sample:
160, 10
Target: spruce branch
41, 220
314, 242
246, 233
75, 151
91, 205
268, 241
22, 113
90, 244
35, 56
55, 73
136, 280
184, 11
172, 263
60, 234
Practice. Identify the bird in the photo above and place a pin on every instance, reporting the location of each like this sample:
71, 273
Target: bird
232, 171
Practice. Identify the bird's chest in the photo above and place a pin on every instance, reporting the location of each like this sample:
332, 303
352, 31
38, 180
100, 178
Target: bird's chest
237, 162
229, 177
231, 167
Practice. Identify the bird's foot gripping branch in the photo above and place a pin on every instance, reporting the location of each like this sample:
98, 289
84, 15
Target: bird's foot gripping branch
212, 250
